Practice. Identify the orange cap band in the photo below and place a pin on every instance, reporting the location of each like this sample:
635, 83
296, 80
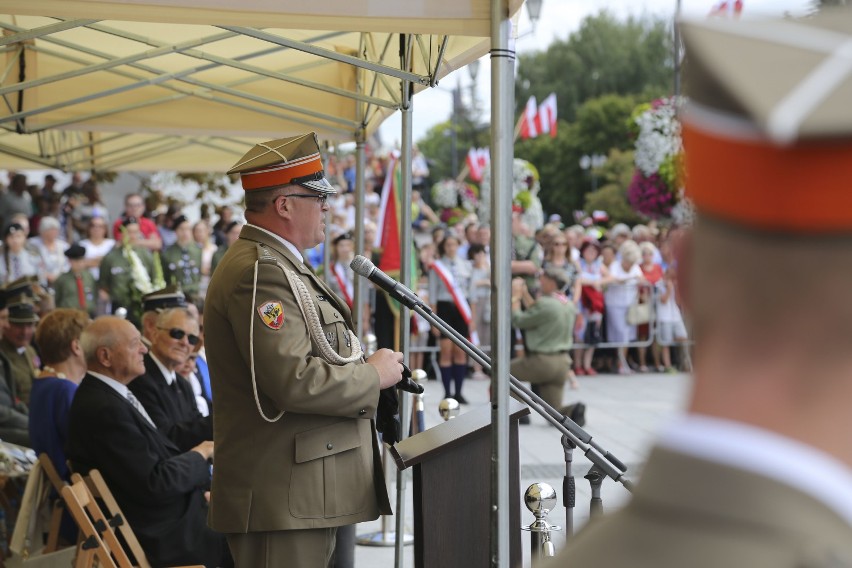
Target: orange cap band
281, 174
801, 188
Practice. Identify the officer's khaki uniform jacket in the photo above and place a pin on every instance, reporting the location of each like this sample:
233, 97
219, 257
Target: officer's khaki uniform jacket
319, 465
689, 512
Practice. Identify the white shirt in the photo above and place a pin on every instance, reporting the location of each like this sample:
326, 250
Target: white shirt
764, 453
290, 246
169, 375
123, 390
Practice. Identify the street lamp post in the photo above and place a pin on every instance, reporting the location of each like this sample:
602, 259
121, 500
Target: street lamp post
592, 163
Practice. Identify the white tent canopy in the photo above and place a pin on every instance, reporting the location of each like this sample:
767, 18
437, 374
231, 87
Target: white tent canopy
189, 84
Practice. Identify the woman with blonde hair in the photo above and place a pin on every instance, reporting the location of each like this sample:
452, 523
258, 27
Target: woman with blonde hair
622, 291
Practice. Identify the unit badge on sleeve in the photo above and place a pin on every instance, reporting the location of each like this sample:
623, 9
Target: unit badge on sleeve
272, 314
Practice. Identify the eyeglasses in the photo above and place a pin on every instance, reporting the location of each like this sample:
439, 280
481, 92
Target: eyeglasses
176, 333
320, 197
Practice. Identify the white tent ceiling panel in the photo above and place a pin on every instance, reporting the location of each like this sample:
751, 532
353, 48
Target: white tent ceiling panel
136, 74
458, 17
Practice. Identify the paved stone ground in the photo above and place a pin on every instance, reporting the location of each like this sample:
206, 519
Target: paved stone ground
624, 414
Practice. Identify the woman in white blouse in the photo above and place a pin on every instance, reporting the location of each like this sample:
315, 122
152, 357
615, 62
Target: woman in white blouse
625, 276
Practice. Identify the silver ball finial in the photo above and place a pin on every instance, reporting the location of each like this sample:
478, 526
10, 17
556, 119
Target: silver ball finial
121, 313
540, 499
448, 408
371, 344
418, 375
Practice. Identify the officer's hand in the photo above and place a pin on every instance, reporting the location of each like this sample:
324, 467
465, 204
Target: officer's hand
205, 449
389, 365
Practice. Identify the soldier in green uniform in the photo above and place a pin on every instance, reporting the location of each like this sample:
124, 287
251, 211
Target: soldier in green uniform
757, 472
77, 287
16, 346
124, 269
182, 260
548, 322
296, 449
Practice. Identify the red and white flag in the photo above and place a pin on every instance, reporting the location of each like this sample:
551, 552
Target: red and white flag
546, 119
727, 9
477, 160
528, 120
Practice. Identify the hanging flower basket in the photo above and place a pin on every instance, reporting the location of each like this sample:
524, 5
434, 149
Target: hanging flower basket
657, 182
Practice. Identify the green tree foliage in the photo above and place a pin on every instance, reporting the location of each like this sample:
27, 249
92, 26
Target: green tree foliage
605, 56
600, 127
611, 196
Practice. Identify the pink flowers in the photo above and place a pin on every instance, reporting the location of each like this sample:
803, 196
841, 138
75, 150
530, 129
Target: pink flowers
650, 196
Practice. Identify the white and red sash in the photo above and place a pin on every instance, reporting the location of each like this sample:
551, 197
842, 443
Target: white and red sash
345, 285
459, 298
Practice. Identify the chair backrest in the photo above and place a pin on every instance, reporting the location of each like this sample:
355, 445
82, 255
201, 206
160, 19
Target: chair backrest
97, 530
51, 473
58, 483
91, 547
98, 488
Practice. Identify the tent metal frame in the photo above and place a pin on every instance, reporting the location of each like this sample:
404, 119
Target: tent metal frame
70, 150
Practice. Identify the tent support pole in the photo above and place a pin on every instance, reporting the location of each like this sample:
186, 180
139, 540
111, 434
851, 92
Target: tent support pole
405, 242
502, 152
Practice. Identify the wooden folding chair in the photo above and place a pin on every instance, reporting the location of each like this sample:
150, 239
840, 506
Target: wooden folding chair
99, 538
92, 547
56, 514
98, 487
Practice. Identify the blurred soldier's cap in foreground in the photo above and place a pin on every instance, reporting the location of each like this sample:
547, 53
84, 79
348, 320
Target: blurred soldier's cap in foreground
294, 160
164, 299
767, 131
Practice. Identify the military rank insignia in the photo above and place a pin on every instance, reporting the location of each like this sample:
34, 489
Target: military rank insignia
272, 314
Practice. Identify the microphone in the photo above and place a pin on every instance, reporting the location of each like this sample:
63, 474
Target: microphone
407, 384
400, 293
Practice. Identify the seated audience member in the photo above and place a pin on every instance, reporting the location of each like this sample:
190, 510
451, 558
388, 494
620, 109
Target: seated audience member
167, 396
58, 338
13, 413
16, 346
155, 303
18, 260
76, 288
159, 488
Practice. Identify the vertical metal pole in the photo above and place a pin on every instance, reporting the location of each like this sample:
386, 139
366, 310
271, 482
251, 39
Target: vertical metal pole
404, 195
502, 155
360, 286
676, 49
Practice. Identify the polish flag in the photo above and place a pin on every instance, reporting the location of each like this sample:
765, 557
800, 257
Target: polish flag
546, 119
528, 122
727, 8
477, 160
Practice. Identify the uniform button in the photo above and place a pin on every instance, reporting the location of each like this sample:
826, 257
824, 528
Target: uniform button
362, 412
329, 446
336, 315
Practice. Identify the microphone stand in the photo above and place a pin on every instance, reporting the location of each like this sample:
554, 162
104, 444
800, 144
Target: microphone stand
573, 435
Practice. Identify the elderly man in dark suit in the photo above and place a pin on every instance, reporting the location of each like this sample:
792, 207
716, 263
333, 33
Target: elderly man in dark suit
159, 488
167, 396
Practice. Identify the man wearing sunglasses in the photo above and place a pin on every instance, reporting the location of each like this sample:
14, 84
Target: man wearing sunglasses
297, 453
167, 396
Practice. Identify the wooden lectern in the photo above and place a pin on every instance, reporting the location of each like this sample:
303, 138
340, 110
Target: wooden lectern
452, 490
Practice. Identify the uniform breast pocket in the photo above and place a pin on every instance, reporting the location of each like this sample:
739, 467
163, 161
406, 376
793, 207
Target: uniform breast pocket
330, 473
334, 327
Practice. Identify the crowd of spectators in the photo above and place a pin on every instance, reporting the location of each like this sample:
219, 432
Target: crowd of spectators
66, 260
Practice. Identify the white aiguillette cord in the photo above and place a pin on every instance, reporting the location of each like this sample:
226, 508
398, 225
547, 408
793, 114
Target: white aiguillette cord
309, 313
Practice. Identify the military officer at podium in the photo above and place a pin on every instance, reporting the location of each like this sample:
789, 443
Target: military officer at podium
296, 449
758, 473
